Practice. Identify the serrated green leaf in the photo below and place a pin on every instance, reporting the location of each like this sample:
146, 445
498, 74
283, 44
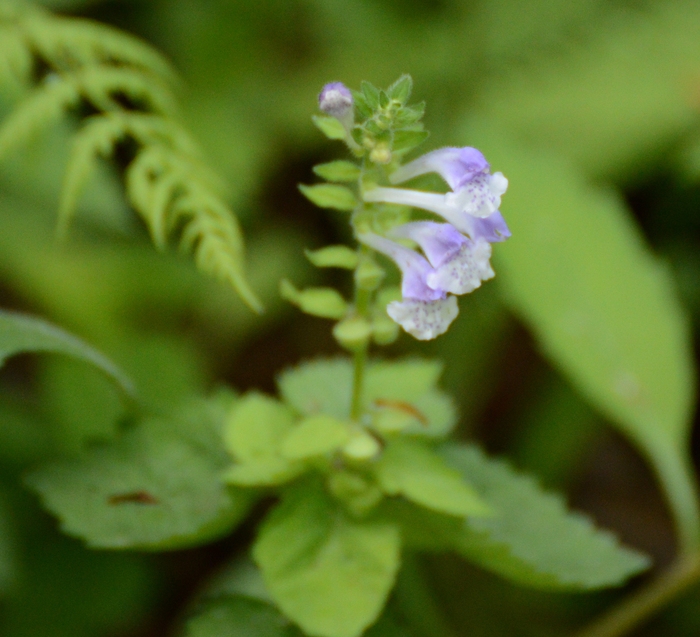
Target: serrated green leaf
20, 333
383, 99
325, 386
333, 257
603, 308
315, 436
253, 434
238, 616
127, 495
331, 575
401, 89
371, 94
408, 139
322, 302
409, 468
330, 196
329, 126
339, 170
531, 538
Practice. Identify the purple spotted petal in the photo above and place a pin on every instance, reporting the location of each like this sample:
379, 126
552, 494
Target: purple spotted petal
424, 320
460, 264
456, 166
439, 241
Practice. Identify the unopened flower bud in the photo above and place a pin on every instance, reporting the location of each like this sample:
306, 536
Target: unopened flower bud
335, 99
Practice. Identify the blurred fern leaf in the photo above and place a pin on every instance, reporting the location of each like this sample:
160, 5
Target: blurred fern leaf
119, 87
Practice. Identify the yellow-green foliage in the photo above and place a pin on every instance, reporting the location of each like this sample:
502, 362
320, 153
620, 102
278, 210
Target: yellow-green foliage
59, 65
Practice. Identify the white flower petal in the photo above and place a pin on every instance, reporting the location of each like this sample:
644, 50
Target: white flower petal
465, 271
424, 320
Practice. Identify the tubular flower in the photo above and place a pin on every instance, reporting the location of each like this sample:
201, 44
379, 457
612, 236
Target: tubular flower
335, 99
459, 264
471, 206
424, 312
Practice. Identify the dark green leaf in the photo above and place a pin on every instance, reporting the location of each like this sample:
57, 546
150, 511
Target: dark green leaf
530, 538
20, 333
128, 495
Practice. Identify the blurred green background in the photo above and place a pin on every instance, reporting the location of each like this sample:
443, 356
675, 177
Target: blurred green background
609, 89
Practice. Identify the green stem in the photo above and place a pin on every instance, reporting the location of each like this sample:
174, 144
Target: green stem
359, 362
641, 605
362, 301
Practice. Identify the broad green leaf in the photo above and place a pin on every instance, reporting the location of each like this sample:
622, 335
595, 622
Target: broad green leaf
339, 170
328, 573
333, 257
408, 387
322, 302
315, 436
20, 333
530, 539
238, 616
156, 488
603, 308
253, 435
330, 196
329, 126
409, 468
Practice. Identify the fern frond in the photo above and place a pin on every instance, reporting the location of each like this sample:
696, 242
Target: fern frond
95, 139
126, 81
69, 42
101, 84
45, 105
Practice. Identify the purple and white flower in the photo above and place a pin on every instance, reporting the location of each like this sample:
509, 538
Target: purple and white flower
459, 264
424, 312
471, 206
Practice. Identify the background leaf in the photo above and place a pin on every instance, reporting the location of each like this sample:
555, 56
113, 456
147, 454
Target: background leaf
20, 333
126, 494
324, 386
603, 308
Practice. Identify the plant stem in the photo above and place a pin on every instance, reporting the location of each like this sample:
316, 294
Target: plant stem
649, 599
362, 299
359, 361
